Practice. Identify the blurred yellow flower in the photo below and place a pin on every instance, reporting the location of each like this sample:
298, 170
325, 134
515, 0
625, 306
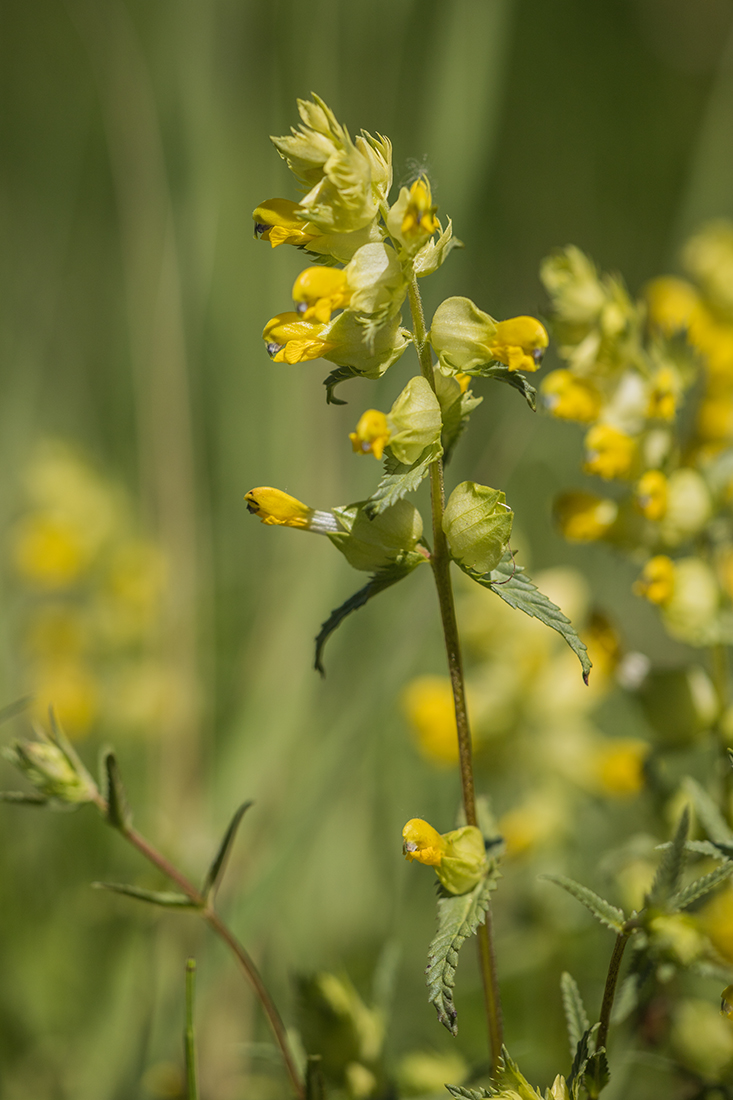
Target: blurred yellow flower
716, 918
571, 398
609, 452
665, 394
70, 687
651, 494
372, 434
671, 303
619, 766
49, 551
656, 582
584, 517
428, 704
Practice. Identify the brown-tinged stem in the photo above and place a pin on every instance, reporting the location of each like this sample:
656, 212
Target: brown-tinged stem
609, 992
214, 921
440, 561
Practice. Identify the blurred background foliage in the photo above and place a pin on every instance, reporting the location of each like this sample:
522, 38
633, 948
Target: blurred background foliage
138, 408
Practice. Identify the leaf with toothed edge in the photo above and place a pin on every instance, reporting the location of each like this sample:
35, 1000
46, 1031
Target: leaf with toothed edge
165, 898
381, 580
601, 909
341, 374
459, 916
511, 378
669, 872
701, 886
398, 479
509, 581
576, 1017
216, 870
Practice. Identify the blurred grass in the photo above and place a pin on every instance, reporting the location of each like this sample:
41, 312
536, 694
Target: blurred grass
132, 297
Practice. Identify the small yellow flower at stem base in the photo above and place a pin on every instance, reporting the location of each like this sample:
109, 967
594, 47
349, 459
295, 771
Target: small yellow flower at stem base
609, 452
520, 343
651, 495
571, 398
656, 582
421, 842
372, 434
277, 508
584, 517
318, 291
459, 857
279, 222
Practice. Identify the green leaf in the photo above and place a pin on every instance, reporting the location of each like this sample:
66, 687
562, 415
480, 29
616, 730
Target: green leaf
510, 1078
456, 414
216, 870
583, 1053
469, 1094
597, 1075
315, 1089
510, 582
19, 798
627, 998
12, 710
511, 378
341, 374
708, 813
667, 879
601, 909
701, 886
118, 811
399, 479
189, 1039
576, 1017
459, 916
167, 899
477, 523
381, 580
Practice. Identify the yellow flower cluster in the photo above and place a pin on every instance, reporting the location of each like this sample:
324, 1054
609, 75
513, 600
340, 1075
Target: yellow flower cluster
631, 369
92, 590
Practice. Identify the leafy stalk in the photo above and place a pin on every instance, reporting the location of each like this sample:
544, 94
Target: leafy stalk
440, 561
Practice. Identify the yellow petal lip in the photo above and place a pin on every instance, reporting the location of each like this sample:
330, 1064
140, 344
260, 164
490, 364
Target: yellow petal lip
520, 343
276, 508
291, 339
372, 434
280, 221
421, 842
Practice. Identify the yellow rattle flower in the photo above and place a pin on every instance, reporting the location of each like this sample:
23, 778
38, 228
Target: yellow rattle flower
571, 398
609, 452
584, 517
372, 434
421, 842
318, 291
290, 339
671, 304
619, 766
520, 343
459, 857
656, 582
279, 221
651, 495
418, 220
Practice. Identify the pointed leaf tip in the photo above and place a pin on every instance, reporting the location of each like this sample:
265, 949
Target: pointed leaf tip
218, 864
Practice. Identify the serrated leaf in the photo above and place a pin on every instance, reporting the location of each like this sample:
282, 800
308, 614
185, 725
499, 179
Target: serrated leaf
459, 916
165, 898
511, 378
216, 870
667, 879
510, 1078
118, 811
385, 578
19, 798
398, 479
708, 813
701, 886
511, 584
576, 1017
601, 909
341, 374
597, 1075
582, 1053
469, 1094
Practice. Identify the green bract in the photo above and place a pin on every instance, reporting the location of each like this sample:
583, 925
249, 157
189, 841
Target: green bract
415, 421
350, 350
464, 863
477, 523
460, 335
372, 544
376, 280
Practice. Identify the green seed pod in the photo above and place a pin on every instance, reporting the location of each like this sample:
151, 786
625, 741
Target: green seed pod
372, 544
477, 523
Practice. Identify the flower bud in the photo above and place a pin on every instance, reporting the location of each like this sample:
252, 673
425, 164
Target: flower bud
650, 495
411, 220
375, 279
460, 335
279, 221
52, 771
477, 523
572, 282
571, 398
459, 857
415, 421
318, 291
671, 304
609, 452
584, 517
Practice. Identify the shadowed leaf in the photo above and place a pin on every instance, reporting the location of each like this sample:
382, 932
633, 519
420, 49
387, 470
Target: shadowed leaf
701, 886
398, 479
118, 811
341, 374
576, 1017
667, 879
167, 899
216, 870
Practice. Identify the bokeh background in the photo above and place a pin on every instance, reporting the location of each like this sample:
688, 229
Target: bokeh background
138, 406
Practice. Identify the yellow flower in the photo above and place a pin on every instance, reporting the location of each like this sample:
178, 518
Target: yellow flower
671, 304
371, 435
708, 256
520, 343
71, 689
656, 582
290, 339
665, 394
430, 709
279, 221
584, 517
571, 398
604, 645
535, 822
715, 420
651, 494
459, 857
318, 291
49, 551
610, 453
412, 221
619, 766
716, 918
276, 508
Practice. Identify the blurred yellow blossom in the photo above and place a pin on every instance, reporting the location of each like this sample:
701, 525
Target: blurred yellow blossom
609, 452
619, 766
571, 398
671, 303
584, 517
656, 582
429, 706
651, 494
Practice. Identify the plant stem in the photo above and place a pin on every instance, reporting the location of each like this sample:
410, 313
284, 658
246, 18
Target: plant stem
609, 992
214, 921
192, 1087
440, 561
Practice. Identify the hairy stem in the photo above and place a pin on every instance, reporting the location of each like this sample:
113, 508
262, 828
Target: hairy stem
609, 992
225, 934
440, 562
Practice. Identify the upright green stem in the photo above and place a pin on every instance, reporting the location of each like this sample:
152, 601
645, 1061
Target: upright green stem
214, 921
609, 992
440, 561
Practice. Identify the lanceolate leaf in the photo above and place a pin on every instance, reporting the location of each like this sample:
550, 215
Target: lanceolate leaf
667, 879
582, 1055
468, 1094
575, 1014
510, 582
341, 374
399, 479
708, 813
459, 916
23, 799
511, 378
385, 578
167, 899
601, 909
118, 812
701, 886
216, 869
